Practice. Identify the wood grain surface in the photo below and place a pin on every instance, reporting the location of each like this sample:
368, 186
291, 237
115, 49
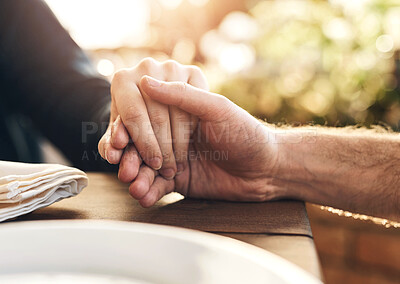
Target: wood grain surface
281, 227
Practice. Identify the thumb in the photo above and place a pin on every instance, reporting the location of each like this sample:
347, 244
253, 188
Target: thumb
203, 104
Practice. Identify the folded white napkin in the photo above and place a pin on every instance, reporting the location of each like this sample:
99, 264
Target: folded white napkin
27, 187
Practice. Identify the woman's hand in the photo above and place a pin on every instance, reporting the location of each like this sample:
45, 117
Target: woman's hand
159, 133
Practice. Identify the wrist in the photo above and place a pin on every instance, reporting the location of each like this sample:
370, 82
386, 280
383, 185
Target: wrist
294, 163
283, 142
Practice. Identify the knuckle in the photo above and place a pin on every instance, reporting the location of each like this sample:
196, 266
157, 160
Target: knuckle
197, 73
195, 70
147, 63
149, 174
222, 100
120, 76
222, 107
147, 149
158, 117
256, 194
171, 65
131, 115
181, 116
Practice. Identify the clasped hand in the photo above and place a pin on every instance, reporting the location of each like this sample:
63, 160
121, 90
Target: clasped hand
168, 133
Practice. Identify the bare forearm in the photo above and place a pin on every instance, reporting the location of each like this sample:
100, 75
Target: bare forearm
356, 171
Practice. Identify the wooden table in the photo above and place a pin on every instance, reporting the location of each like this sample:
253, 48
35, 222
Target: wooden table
281, 227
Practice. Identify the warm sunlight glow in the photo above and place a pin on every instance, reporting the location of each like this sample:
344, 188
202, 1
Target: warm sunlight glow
238, 26
105, 67
184, 51
102, 23
198, 3
170, 4
338, 29
236, 57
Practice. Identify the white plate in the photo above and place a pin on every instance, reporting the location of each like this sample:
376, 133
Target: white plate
122, 252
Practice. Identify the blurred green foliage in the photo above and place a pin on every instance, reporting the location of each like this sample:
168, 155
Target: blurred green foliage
333, 63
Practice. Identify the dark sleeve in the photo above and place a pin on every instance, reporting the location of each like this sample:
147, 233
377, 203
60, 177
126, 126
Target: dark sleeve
53, 81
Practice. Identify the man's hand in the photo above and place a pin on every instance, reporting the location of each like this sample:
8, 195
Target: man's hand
230, 156
233, 156
151, 125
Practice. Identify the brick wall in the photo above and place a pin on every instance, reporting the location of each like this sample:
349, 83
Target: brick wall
355, 251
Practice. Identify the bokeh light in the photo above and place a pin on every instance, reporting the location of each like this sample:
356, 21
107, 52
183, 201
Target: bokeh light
238, 27
184, 51
384, 43
332, 62
105, 67
102, 23
236, 57
328, 62
338, 29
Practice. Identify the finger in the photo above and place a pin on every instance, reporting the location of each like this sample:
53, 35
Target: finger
158, 189
197, 78
160, 121
181, 130
102, 143
133, 111
119, 134
113, 110
113, 156
179, 119
183, 123
130, 164
141, 185
205, 105
106, 136
107, 151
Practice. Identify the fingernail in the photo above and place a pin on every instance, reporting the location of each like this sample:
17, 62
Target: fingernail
168, 173
155, 163
180, 168
153, 82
